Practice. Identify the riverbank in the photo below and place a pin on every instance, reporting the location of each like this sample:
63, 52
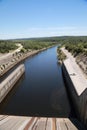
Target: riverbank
81, 60
76, 83
15, 59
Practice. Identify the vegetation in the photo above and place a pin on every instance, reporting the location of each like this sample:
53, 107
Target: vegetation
28, 44
75, 45
22, 50
61, 55
6, 46
35, 45
77, 48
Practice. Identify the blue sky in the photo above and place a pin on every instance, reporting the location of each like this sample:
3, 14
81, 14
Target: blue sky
41, 18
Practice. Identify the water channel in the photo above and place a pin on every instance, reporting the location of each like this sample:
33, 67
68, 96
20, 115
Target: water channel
41, 90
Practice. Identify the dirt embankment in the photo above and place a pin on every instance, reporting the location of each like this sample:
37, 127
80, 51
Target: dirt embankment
81, 60
14, 60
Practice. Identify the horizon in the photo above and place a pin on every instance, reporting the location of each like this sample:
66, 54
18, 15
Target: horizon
25, 38
38, 19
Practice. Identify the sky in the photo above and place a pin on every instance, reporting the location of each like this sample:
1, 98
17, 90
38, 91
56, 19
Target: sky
42, 18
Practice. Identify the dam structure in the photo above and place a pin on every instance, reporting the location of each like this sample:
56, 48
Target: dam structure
76, 83
7, 84
38, 100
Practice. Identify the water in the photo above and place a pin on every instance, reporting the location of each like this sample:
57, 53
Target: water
41, 90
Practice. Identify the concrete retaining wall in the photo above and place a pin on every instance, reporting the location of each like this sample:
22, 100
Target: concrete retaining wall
9, 82
78, 93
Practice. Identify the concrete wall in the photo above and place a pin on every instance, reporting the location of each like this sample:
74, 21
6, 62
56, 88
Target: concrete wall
79, 99
9, 82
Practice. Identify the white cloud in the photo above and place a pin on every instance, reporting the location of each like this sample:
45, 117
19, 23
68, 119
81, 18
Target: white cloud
51, 28
45, 32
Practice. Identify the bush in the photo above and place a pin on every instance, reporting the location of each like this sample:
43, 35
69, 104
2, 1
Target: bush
23, 50
6, 46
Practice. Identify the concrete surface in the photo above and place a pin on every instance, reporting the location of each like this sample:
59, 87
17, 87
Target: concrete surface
7, 84
38, 123
78, 78
76, 84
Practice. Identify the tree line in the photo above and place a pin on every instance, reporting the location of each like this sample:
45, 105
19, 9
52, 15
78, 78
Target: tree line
75, 44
